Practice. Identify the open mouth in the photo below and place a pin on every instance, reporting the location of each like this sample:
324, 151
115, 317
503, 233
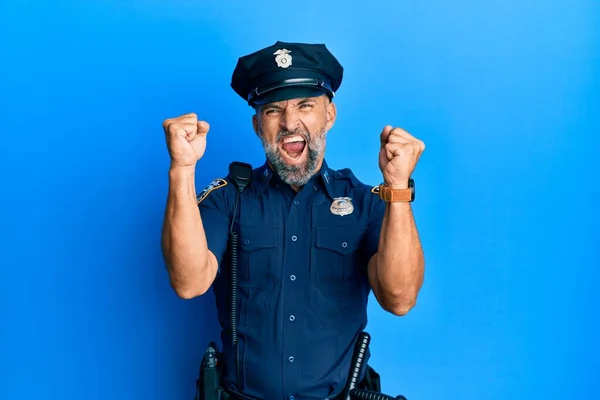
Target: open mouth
293, 146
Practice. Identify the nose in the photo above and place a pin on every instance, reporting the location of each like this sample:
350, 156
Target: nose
289, 120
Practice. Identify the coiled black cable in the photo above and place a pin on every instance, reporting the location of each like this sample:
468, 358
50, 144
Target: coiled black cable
233, 292
233, 237
241, 176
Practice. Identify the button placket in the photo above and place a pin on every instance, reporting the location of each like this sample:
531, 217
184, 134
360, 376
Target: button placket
297, 231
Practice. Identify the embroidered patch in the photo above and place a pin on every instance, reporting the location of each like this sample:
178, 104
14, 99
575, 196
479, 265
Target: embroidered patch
217, 183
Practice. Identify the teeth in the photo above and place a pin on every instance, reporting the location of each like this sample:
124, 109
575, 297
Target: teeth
293, 139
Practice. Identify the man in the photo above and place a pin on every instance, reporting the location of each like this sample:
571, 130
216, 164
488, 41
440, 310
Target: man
313, 241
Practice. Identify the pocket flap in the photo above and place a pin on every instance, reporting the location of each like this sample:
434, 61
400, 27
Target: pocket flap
343, 240
258, 237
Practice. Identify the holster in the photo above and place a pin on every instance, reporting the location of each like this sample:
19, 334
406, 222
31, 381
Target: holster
208, 384
371, 381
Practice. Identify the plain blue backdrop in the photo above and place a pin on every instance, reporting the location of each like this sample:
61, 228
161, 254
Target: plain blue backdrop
505, 94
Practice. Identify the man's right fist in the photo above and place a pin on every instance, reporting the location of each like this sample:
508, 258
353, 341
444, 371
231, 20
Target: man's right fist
186, 139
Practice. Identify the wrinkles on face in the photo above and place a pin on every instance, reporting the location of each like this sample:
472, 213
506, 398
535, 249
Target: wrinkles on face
293, 134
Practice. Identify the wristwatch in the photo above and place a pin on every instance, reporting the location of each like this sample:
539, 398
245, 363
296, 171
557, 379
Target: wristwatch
389, 195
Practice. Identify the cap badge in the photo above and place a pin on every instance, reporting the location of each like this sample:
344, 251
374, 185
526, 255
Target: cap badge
342, 206
283, 59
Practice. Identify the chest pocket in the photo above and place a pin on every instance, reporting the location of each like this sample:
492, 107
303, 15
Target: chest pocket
337, 260
259, 258
338, 273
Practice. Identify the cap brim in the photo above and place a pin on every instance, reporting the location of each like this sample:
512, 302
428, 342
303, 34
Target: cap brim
288, 93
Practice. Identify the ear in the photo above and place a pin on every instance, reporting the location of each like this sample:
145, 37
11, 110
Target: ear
255, 123
331, 114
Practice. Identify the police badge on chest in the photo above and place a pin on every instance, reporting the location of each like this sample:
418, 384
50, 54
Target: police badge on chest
342, 206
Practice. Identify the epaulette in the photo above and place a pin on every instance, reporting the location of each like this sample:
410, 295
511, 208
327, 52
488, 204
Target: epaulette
346, 173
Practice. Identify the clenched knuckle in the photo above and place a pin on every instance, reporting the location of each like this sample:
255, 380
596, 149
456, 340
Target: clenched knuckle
174, 127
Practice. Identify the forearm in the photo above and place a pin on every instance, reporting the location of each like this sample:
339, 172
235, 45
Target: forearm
184, 244
399, 262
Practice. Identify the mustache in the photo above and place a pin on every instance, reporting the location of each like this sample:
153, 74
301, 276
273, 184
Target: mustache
297, 132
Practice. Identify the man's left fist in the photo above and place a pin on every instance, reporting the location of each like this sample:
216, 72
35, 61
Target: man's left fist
398, 156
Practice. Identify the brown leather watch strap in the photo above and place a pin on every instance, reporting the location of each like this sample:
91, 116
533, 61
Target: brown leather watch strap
388, 194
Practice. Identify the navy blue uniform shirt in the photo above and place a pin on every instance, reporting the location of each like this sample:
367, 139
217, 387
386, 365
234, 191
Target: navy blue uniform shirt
302, 279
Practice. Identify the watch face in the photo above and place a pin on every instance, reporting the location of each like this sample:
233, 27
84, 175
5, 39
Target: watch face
411, 185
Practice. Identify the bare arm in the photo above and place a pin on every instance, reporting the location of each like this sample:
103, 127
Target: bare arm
396, 270
192, 267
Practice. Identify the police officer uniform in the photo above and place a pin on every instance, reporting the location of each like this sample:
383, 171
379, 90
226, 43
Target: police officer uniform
302, 266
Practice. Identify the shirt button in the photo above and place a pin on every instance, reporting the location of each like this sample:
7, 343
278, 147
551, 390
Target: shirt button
292, 277
291, 359
294, 238
344, 244
296, 202
246, 241
292, 318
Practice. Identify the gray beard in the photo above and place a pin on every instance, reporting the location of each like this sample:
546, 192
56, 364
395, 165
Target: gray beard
297, 175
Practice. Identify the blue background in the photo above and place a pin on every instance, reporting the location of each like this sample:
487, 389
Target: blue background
505, 94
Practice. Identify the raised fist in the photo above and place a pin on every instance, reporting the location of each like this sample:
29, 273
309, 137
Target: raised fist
398, 156
186, 139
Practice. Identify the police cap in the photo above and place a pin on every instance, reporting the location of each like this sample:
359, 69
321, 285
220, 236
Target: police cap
285, 71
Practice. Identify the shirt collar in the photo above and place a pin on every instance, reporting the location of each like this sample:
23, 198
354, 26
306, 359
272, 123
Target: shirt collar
326, 174
262, 177
265, 173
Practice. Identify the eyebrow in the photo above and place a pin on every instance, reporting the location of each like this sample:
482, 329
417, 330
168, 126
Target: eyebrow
303, 101
269, 106
306, 100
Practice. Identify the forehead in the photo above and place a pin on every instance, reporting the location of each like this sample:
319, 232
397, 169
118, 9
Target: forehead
293, 102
